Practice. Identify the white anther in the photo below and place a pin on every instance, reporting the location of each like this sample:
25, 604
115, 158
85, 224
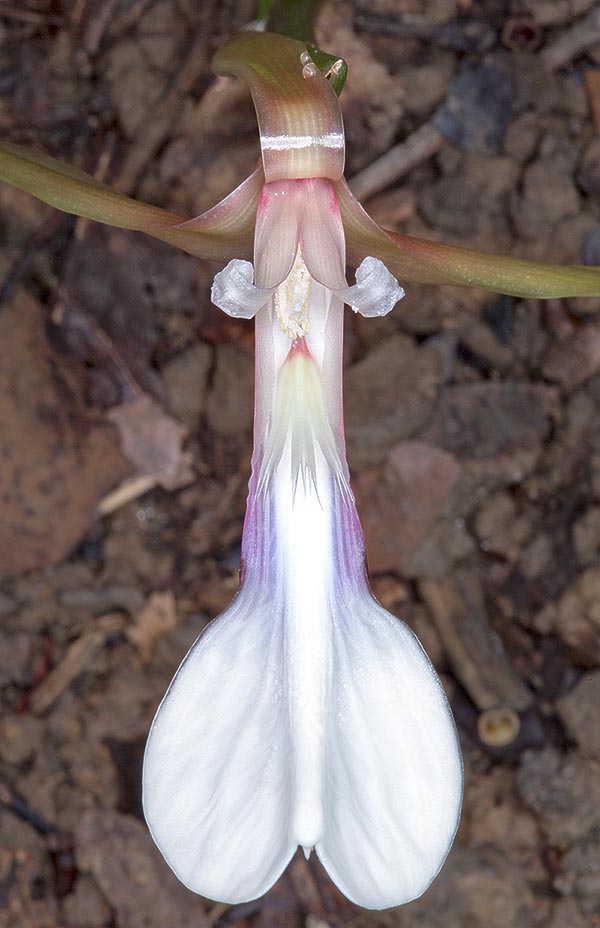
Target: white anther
292, 300
375, 292
309, 70
234, 292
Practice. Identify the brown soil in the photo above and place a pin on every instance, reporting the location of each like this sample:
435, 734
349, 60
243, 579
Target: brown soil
473, 436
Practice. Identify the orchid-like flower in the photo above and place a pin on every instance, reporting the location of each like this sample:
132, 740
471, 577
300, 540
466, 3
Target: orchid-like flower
305, 715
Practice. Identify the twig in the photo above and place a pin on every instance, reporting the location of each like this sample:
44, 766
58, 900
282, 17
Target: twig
422, 144
462, 35
573, 42
164, 117
13, 800
49, 230
475, 652
126, 492
98, 19
29, 16
79, 655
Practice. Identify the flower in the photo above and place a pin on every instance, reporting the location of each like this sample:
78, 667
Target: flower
305, 715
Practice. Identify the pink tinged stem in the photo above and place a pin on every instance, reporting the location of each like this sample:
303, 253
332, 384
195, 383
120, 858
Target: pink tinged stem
299, 118
428, 262
226, 231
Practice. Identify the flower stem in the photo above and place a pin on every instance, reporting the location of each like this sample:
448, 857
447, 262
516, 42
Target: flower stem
293, 18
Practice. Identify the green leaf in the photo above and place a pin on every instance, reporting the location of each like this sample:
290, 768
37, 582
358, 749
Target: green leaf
513, 276
224, 232
426, 262
333, 68
293, 18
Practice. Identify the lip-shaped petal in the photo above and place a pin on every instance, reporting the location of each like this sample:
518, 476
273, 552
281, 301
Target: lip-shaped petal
299, 118
428, 262
394, 774
224, 232
217, 794
306, 715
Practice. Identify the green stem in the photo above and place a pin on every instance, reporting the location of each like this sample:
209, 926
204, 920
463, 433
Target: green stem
293, 18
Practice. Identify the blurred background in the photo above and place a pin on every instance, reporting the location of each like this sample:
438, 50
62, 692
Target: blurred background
473, 427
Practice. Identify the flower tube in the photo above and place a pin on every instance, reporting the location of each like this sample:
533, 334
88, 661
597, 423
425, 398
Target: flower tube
305, 715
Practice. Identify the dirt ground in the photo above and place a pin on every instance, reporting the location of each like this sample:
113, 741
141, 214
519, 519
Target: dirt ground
473, 426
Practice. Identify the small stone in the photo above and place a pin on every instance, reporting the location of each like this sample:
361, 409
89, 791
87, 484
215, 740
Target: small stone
548, 196
565, 913
537, 557
389, 395
575, 359
580, 877
453, 205
86, 907
400, 505
563, 791
119, 853
230, 401
482, 420
478, 888
586, 536
20, 738
522, 136
7, 605
578, 711
492, 814
589, 169
575, 617
185, 379
479, 104
499, 528
426, 85
136, 87
448, 542
16, 658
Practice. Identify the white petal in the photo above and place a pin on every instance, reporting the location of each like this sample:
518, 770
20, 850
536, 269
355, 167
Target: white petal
393, 769
322, 233
375, 292
217, 779
276, 236
234, 292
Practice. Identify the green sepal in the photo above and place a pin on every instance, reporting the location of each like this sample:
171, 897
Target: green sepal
333, 68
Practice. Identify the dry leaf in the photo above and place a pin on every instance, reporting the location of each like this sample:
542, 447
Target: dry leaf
155, 619
151, 439
57, 462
